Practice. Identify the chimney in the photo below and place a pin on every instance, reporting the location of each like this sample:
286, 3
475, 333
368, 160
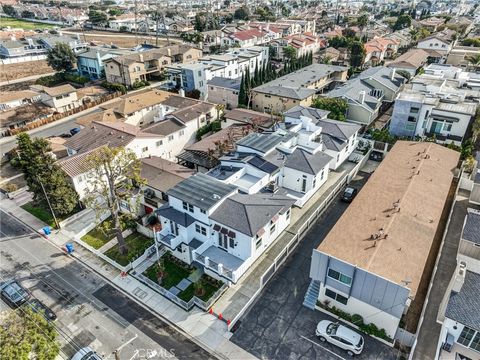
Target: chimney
169, 52
13, 37
141, 57
361, 96
459, 278
78, 37
181, 92
392, 73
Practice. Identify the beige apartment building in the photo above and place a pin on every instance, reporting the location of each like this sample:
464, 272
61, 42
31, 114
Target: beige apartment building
297, 88
148, 65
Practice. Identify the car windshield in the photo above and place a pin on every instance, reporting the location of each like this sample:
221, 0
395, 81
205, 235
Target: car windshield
349, 191
332, 329
360, 342
14, 291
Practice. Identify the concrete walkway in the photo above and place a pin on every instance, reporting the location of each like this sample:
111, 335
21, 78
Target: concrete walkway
237, 297
429, 332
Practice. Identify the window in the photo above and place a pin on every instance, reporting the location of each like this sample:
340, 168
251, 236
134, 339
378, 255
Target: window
267, 96
447, 126
466, 336
203, 211
475, 345
409, 126
201, 230
182, 132
258, 242
287, 215
170, 137
272, 227
187, 206
337, 297
339, 277
411, 119
314, 182
414, 110
145, 149
159, 143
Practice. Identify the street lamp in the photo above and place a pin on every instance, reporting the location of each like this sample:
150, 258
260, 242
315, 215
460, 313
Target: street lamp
48, 202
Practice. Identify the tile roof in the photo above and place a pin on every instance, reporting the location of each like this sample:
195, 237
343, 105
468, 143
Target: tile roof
464, 306
261, 142
25, 113
99, 115
8, 96
471, 229
165, 127
130, 103
248, 116
307, 163
201, 190
58, 90
209, 143
414, 177
413, 58
250, 213
162, 174
77, 164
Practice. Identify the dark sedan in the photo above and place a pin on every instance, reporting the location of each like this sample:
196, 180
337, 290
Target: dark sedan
13, 293
39, 307
349, 194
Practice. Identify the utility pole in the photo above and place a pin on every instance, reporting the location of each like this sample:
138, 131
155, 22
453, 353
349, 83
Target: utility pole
48, 202
136, 29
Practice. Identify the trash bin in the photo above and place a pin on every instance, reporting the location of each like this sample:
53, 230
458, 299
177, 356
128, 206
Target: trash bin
69, 247
47, 230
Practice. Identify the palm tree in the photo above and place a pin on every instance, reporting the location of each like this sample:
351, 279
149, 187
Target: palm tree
414, 33
474, 61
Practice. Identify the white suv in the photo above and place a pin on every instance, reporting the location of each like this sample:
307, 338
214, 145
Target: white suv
340, 336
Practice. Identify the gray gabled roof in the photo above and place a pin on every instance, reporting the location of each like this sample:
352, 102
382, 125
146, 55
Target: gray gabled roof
471, 230
311, 113
201, 190
249, 213
335, 134
182, 219
307, 163
463, 306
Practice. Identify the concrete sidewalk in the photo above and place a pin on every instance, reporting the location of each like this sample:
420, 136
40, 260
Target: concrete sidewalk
201, 327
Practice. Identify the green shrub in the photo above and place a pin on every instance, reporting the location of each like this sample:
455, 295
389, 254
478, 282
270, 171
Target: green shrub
138, 84
357, 319
75, 78
114, 87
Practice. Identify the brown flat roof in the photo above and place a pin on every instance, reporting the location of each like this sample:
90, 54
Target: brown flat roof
405, 197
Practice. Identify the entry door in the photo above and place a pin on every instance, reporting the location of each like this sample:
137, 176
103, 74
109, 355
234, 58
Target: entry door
436, 127
174, 228
223, 241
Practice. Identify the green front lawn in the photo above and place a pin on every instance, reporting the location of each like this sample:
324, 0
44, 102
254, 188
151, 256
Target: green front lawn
45, 214
25, 25
136, 243
175, 271
210, 286
96, 237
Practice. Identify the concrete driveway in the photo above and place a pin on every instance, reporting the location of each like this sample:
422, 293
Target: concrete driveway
278, 326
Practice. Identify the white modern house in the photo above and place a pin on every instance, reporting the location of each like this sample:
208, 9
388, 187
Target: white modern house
339, 138
434, 106
460, 334
208, 222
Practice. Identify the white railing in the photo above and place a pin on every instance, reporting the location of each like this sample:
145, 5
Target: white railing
197, 253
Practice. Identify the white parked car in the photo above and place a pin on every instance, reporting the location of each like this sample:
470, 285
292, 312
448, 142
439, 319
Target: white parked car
86, 354
340, 336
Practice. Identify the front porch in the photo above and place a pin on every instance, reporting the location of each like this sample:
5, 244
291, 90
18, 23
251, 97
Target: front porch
220, 261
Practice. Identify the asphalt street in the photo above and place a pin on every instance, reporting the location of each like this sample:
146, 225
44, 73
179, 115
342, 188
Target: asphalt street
278, 326
90, 311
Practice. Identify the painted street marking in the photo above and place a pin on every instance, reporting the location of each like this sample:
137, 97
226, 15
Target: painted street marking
324, 348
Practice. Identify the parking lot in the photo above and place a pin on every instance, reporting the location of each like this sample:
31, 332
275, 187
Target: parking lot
278, 326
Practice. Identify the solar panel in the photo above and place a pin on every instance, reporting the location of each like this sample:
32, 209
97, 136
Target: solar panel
263, 165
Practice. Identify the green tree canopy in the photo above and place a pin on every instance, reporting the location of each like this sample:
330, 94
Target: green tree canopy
26, 335
39, 167
114, 177
9, 10
97, 17
61, 57
337, 107
362, 20
290, 53
403, 21
242, 13
357, 54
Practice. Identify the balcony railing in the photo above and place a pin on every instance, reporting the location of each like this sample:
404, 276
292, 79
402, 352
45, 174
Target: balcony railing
169, 240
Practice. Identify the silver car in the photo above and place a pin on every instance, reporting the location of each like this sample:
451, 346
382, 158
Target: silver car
340, 336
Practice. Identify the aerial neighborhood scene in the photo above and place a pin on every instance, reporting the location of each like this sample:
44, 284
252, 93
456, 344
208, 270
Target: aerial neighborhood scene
233, 179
